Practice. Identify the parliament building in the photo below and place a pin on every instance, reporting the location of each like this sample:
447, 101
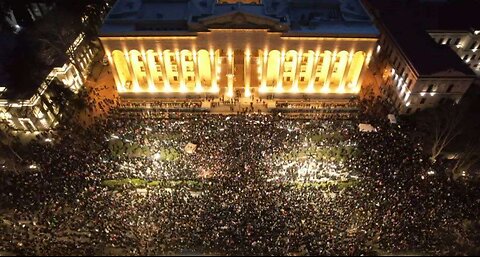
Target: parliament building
264, 48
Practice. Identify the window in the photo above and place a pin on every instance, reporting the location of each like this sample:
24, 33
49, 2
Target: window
429, 88
159, 68
160, 78
465, 57
448, 41
142, 69
172, 58
302, 79
457, 41
473, 45
288, 79
450, 88
174, 68
423, 100
156, 59
175, 78
317, 79
410, 84
140, 58
189, 78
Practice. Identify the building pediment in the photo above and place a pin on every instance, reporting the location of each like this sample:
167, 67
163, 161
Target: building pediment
242, 20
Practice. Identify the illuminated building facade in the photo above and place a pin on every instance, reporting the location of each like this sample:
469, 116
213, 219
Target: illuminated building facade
418, 73
35, 110
232, 48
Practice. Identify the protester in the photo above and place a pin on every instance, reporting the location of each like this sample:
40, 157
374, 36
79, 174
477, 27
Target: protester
255, 184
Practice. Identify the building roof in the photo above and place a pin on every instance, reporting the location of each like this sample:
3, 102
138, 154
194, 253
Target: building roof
425, 55
451, 15
315, 17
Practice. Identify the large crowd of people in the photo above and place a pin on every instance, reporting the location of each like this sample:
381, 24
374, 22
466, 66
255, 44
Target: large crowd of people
267, 186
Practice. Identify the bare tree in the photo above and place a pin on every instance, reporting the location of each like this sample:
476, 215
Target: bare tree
57, 36
467, 159
441, 126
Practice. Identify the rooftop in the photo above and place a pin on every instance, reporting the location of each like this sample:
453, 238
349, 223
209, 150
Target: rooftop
426, 56
148, 17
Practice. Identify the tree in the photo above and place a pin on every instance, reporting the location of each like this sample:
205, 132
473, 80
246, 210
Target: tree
6, 142
441, 126
57, 37
467, 159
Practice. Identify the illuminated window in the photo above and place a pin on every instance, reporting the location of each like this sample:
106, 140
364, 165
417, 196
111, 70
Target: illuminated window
317, 79
288, 79
172, 58
175, 78
429, 88
302, 79
140, 58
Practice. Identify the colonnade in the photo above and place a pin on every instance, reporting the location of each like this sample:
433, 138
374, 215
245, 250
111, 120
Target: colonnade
210, 71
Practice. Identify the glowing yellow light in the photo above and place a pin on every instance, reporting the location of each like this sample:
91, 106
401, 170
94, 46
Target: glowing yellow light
325, 90
230, 93
199, 89
215, 89
279, 89
183, 88
295, 89
167, 88
341, 90
247, 92
310, 89
262, 89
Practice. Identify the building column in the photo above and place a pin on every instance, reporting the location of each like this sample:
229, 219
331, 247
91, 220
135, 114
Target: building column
333, 58
343, 80
359, 80
166, 81
313, 74
178, 57
135, 84
298, 66
146, 64
116, 77
263, 86
198, 83
247, 73
230, 74
280, 73
213, 71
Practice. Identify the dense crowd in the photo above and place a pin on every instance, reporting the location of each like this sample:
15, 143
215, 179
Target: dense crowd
267, 185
